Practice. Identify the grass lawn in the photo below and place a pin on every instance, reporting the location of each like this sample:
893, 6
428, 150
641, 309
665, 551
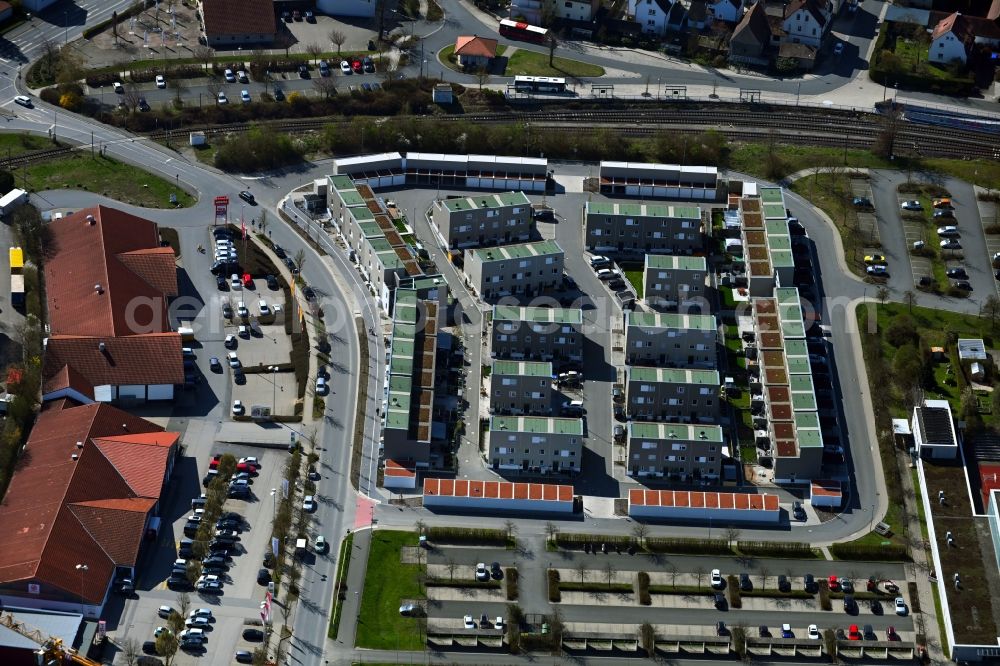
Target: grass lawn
343, 566
387, 582
15, 143
831, 193
108, 177
532, 63
633, 273
914, 57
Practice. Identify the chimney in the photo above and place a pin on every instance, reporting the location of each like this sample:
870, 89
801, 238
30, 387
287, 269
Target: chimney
91, 220
101, 347
99, 289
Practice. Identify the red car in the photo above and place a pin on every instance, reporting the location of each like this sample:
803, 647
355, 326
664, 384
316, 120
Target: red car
356, 66
853, 633
215, 462
834, 583
244, 467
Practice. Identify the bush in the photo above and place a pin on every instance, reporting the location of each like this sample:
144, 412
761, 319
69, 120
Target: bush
642, 587
775, 549
554, 594
257, 150
99, 79
70, 101
50, 95
510, 575
870, 553
824, 595
480, 536
577, 541
688, 546
733, 591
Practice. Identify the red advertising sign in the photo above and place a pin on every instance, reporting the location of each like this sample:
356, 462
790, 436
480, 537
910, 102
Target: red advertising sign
221, 209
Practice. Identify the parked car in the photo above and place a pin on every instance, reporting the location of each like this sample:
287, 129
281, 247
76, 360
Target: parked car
222, 99
253, 635
900, 605
943, 203
786, 631
949, 230
482, 574
345, 67
717, 581
958, 273
911, 205
229, 76
321, 545
322, 388
963, 285
242, 76
944, 213
869, 633
862, 202
606, 274
877, 269
746, 585
469, 622
235, 283
813, 632
853, 633
951, 244
875, 259
247, 196
309, 504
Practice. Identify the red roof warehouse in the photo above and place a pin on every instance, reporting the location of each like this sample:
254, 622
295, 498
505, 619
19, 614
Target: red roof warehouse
84, 494
108, 283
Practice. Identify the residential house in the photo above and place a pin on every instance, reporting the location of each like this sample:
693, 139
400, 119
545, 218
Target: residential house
671, 340
521, 387
727, 11
543, 334
640, 228
230, 24
484, 219
88, 494
108, 286
677, 395
682, 452
528, 11
807, 22
528, 269
751, 40
952, 39
670, 281
475, 52
536, 444
651, 15
574, 10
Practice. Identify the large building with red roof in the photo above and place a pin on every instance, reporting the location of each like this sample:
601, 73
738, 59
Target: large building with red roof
82, 501
108, 285
492, 496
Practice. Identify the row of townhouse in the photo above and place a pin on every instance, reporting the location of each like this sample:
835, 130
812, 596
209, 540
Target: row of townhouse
484, 219
681, 452
671, 282
521, 387
527, 269
535, 333
671, 340
536, 445
684, 395
633, 229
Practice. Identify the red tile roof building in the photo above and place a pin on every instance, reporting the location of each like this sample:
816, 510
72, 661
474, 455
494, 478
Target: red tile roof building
498, 496
84, 494
703, 506
233, 23
475, 51
108, 284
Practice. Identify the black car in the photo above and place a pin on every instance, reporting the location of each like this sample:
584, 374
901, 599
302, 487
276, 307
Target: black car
179, 584
272, 282
876, 607
149, 647
221, 283
368, 64
247, 196
279, 252
268, 560
143, 104
862, 202
544, 214
784, 585
964, 285
957, 273
221, 233
303, 72
308, 293
227, 310
869, 633
220, 268
286, 17
263, 577
244, 657
323, 346
496, 571
215, 560
810, 583
279, 95
720, 601
254, 635
290, 263
745, 583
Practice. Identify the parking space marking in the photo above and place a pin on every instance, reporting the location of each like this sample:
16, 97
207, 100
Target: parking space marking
867, 222
989, 218
915, 231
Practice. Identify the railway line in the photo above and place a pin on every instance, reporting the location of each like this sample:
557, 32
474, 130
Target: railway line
783, 124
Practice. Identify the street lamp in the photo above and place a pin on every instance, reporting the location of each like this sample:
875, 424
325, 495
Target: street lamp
274, 493
274, 389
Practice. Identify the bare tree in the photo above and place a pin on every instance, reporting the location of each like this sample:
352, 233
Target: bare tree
671, 568
882, 293
214, 87
204, 54
581, 568
300, 259
114, 31
551, 530
764, 573
420, 525
131, 651
609, 571
510, 527
337, 38
179, 87
991, 309
131, 97
314, 50
909, 298
263, 222
325, 86
699, 573
482, 76
452, 565
640, 531
731, 535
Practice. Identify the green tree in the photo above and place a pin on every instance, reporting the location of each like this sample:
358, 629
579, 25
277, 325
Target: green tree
908, 368
902, 331
30, 232
166, 647
991, 308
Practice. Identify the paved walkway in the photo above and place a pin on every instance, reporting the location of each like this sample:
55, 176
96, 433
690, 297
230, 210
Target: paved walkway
354, 585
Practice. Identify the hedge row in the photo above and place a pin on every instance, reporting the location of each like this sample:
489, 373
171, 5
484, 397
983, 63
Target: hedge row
733, 591
554, 595
136, 9
872, 553
776, 549
824, 596
569, 540
594, 586
510, 574
462, 583
917, 81
642, 587
483, 536
683, 546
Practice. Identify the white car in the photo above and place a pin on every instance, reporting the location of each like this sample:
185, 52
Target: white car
234, 361
201, 612
242, 310
469, 622
230, 77
813, 632
245, 96
951, 244
238, 409
716, 579
345, 67
309, 504
605, 274
230, 342
242, 76
321, 544
901, 608
192, 634
498, 624
160, 631
118, 87
877, 269
322, 388
482, 573
197, 621
597, 261
164, 611
262, 306
222, 97
160, 81
23, 100
208, 578
949, 230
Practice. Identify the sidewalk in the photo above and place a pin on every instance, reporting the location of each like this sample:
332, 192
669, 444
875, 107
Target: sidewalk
354, 585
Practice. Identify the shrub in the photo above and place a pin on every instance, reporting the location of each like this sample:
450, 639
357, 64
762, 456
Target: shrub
70, 101
554, 594
50, 95
775, 549
100, 79
571, 541
256, 150
482, 536
733, 591
688, 546
871, 553
642, 587
824, 595
510, 575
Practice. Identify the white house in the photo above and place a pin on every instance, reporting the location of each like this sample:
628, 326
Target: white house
729, 11
951, 39
807, 22
651, 15
574, 10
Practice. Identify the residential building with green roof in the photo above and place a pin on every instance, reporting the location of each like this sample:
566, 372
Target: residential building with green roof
534, 333
483, 219
679, 451
767, 242
527, 269
671, 281
521, 387
671, 340
536, 444
676, 395
633, 229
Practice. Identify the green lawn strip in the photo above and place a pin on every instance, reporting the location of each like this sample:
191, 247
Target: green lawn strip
694, 590
473, 584
633, 273
387, 582
939, 616
576, 586
16, 143
105, 176
831, 193
532, 63
343, 566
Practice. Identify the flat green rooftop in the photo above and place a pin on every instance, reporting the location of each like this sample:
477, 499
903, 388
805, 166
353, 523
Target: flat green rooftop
501, 200
372, 230
643, 210
638, 373
537, 424
397, 413
806, 421
787, 295
775, 211
340, 182
771, 195
538, 315
809, 439
523, 368
522, 251
675, 262
671, 320
683, 432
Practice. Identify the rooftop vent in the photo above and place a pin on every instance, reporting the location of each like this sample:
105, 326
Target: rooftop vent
91, 220
101, 346
79, 445
75, 457
99, 289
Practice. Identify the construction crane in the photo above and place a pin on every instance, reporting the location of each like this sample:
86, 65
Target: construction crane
51, 652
